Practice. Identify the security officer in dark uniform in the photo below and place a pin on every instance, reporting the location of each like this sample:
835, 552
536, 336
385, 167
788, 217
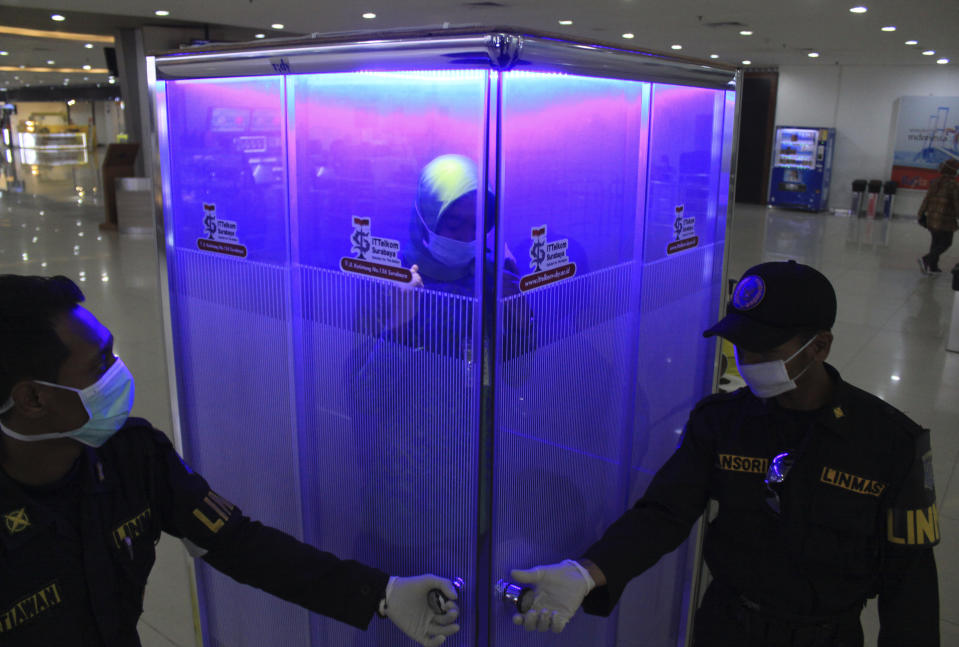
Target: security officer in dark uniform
85, 492
825, 495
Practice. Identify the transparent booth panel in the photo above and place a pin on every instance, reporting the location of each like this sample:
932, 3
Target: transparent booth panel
685, 220
572, 151
388, 405
690, 145
337, 402
226, 231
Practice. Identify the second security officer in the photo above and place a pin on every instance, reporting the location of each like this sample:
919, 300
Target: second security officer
825, 494
85, 492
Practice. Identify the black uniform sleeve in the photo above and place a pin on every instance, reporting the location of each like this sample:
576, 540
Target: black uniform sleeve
255, 554
659, 522
909, 587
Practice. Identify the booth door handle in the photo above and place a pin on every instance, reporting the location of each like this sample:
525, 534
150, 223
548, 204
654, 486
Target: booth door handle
437, 600
516, 595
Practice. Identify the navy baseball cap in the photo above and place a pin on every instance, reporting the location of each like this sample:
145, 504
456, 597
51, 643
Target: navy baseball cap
775, 301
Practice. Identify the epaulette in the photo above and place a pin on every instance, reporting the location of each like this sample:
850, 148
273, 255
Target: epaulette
891, 416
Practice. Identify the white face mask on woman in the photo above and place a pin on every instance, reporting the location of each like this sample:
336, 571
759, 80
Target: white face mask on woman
769, 379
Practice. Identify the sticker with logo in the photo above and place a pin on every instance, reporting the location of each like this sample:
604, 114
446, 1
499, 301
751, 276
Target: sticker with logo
373, 255
684, 230
221, 235
749, 293
30, 607
16, 521
548, 259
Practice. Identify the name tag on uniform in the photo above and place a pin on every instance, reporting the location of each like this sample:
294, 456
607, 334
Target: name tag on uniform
30, 607
851, 482
748, 464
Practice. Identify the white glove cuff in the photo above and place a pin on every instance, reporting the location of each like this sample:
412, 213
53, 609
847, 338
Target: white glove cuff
386, 596
590, 584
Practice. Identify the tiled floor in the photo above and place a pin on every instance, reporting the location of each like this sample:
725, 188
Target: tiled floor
889, 338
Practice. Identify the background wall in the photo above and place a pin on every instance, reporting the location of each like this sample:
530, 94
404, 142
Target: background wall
858, 101
104, 114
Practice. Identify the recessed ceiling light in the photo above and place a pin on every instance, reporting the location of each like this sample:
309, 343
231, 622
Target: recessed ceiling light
277, 25
889, 28
57, 17
89, 45
813, 54
369, 15
745, 32
714, 56
675, 46
912, 42
566, 23
859, 9
929, 52
260, 36
629, 35
161, 12
747, 62
942, 61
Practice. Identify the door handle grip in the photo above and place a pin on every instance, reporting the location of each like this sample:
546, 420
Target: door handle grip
515, 595
437, 599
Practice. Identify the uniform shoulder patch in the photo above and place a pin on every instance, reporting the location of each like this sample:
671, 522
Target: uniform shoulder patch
912, 519
214, 512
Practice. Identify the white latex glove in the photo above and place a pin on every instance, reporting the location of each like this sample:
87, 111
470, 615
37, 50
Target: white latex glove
558, 592
407, 605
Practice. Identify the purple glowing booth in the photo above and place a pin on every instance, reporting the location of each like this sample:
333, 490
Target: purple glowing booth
507, 410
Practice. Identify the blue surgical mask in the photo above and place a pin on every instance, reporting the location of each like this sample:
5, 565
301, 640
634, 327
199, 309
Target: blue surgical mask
447, 251
108, 402
450, 251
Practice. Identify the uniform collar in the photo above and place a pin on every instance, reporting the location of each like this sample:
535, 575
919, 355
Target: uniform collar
832, 416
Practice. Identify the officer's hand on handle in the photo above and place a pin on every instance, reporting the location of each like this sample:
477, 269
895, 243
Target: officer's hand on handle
558, 592
407, 605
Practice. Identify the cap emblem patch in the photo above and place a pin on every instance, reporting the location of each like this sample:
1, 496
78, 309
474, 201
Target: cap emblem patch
749, 293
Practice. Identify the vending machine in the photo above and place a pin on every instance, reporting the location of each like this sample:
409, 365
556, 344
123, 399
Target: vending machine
435, 302
801, 167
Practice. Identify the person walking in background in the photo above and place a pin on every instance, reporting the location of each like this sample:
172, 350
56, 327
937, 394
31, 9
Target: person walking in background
939, 213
